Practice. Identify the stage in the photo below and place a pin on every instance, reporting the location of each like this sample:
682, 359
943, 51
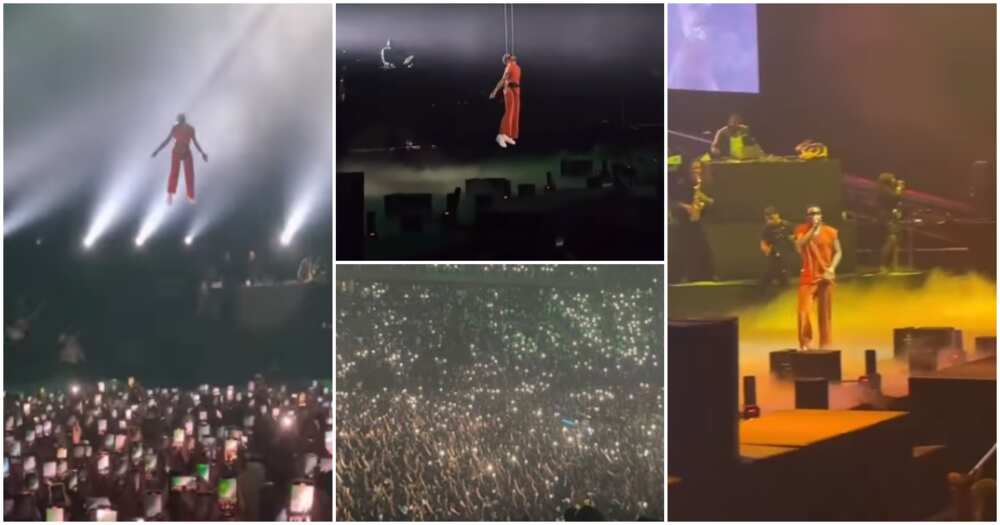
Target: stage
824, 465
867, 307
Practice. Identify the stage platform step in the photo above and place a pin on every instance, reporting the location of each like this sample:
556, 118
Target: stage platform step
808, 465
792, 364
957, 407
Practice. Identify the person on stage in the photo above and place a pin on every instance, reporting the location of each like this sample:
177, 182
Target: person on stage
890, 195
734, 128
183, 135
819, 246
688, 205
774, 241
510, 82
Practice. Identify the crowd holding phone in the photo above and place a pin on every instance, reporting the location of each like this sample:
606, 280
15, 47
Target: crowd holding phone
111, 452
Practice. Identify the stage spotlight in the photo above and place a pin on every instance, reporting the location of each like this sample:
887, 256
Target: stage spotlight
188, 240
107, 212
151, 223
294, 223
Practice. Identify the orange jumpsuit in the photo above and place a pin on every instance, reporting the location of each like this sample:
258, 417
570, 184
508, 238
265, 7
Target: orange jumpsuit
510, 123
182, 134
817, 258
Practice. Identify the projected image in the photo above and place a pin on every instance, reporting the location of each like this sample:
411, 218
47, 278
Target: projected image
712, 47
167, 246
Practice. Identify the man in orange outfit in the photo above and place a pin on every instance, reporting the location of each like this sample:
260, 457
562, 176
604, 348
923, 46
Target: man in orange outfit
183, 135
511, 84
819, 246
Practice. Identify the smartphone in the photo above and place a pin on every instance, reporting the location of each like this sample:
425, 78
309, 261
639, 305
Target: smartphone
309, 463
102, 426
29, 464
106, 515
62, 467
329, 441
100, 386
152, 503
231, 449
227, 490
55, 514
104, 463
57, 493
202, 470
301, 498
189, 427
204, 430
137, 452
122, 424
151, 460
27, 409
178, 437
15, 448
61, 453
182, 483
49, 470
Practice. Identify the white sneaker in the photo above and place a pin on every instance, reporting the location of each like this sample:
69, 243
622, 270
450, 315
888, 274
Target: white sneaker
508, 140
501, 141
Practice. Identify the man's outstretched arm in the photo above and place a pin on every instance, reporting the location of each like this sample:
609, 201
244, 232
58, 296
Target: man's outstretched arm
204, 156
165, 142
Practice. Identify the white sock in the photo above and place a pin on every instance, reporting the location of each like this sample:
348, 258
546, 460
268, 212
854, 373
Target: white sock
501, 141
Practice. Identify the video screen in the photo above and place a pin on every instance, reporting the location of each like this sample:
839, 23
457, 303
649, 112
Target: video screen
712, 47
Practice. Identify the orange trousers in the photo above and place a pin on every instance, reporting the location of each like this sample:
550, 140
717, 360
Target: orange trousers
820, 293
175, 164
511, 121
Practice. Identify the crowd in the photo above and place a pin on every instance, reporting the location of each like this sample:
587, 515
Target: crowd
119, 451
465, 402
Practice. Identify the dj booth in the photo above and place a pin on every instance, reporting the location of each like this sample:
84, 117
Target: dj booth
742, 189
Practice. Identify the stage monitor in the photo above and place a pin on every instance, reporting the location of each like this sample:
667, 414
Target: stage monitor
712, 47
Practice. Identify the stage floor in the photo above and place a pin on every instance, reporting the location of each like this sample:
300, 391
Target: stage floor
866, 310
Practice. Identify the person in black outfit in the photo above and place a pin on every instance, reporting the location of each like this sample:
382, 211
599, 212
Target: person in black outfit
695, 261
734, 128
774, 243
890, 195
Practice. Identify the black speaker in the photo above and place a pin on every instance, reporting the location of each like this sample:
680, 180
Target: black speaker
703, 405
371, 227
812, 392
928, 348
350, 216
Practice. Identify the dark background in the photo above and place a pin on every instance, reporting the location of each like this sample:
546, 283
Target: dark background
903, 88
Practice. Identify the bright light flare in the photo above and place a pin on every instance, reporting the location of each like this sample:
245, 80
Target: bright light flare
294, 223
152, 222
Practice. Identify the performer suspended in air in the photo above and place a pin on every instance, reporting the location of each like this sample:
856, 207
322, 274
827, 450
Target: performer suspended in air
510, 82
183, 135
